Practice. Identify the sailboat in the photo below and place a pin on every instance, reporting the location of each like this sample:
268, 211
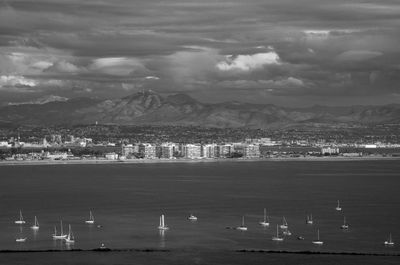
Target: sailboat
91, 218
389, 242
162, 225
36, 225
344, 225
21, 219
192, 217
20, 239
338, 208
284, 225
265, 222
61, 235
70, 238
309, 220
318, 241
277, 237
242, 227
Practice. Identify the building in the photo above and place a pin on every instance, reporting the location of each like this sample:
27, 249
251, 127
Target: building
129, 149
168, 150
224, 150
192, 151
251, 151
329, 151
209, 151
147, 151
111, 156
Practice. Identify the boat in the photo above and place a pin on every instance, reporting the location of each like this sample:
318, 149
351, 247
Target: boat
286, 232
344, 225
309, 220
284, 225
70, 238
300, 238
20, 238
192, 217
318, 241
91, 218
162, 225
277, 237
21, 219
338, 208
36, 224
389, 242
61, 235
265, 222
242, 227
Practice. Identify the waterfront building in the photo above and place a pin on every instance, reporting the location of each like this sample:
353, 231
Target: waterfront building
168, 150
209, 151
147, 150
129, 149
192, 151
224, 150
329, 151
111, 156
251, 151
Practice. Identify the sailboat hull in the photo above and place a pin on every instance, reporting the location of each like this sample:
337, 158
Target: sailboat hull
264, 223
19, 222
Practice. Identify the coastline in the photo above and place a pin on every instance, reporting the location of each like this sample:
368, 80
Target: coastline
182, 160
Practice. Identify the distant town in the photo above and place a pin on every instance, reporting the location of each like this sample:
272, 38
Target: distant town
109, 142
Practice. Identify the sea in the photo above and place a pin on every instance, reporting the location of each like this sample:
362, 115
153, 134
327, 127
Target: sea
128, 199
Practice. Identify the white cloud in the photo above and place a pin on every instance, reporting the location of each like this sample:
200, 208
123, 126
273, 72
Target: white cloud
248, 62
119, 66
16, 80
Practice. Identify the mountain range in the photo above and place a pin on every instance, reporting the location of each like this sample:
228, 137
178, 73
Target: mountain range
150, 108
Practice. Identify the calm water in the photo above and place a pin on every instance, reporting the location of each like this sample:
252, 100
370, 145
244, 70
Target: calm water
127, 199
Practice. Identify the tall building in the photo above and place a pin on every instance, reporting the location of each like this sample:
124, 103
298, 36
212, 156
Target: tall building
168, 150
191, 151
147, 150
209, 151
251, 151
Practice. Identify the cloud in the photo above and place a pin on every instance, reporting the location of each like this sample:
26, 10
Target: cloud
358, 55
7, 81
248, 62
63, 67
279, 83
118, 66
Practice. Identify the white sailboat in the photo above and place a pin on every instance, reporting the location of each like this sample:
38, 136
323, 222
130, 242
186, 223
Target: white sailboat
21, 219
70, 239
338, 208
309, 220
284, 225
389, 242
36, 224
265, 222
277, 237
91, 218
162, 225
344, 225
318, 241
192, 217
242, 227
20, 239
61, 235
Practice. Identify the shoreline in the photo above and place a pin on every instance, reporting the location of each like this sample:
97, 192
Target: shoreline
182, 160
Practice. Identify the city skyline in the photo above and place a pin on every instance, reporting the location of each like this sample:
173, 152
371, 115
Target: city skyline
290, 53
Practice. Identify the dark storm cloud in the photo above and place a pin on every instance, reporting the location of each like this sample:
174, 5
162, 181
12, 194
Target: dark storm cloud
279, 51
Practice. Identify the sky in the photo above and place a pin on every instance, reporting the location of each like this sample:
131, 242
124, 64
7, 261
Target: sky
284, 52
